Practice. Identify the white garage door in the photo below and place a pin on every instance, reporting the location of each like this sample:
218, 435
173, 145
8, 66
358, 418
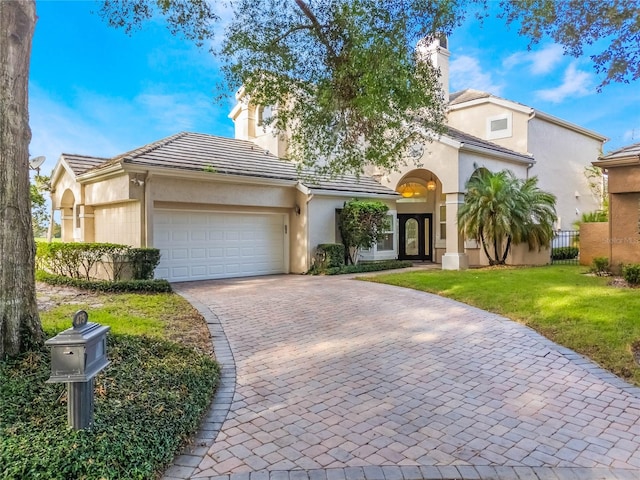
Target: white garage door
209, 245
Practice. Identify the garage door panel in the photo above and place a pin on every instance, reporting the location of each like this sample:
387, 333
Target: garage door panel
209, 245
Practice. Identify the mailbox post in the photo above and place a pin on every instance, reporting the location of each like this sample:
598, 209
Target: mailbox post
78, 354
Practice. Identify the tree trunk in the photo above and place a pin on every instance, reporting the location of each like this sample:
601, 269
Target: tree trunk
20, 327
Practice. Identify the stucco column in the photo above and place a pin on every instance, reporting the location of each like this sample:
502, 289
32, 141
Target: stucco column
454, 258
66, 224
87, 230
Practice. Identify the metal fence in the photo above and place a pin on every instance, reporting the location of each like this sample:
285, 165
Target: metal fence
565, 247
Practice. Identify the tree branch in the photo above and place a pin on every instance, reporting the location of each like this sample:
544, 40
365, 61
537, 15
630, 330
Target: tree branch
317, 27
289, 32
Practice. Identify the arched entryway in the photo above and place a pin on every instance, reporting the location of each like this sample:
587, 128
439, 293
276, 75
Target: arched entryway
68, 215
419, 216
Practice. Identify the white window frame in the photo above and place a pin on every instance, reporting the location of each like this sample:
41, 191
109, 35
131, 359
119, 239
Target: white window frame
373, 253
504, 132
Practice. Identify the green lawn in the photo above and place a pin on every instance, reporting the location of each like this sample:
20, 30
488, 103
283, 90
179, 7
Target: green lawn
563, 303
148, 401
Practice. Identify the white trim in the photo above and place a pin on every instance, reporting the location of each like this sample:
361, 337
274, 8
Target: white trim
503, 132
340, 193
518, 107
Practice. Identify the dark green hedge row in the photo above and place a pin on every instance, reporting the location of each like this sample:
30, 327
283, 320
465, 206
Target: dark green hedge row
147, 404
81, 260
140, 286
564, 253
369, 267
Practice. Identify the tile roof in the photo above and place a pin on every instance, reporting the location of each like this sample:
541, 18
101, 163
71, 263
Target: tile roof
628, 151
81, 163
201, 152
465, 138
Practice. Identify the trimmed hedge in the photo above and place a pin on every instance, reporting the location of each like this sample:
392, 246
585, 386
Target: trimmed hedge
369, 267
147, 404
84, 260
564, 253
144, 262
132, 286
631, 273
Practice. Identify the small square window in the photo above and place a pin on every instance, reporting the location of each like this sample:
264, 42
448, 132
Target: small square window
499, 126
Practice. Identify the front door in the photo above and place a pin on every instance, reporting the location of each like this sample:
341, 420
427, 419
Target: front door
415, 236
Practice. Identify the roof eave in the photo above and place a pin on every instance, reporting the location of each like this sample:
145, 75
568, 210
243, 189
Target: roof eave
100, 172
350, 193
488, 152
491, 99
204, 175
617, 162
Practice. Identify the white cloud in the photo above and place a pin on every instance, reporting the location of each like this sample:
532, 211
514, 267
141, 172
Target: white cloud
576, 83
466, 72
540, 62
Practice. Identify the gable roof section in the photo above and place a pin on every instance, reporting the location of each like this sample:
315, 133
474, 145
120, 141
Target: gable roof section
81, 163
470, 97
199, 152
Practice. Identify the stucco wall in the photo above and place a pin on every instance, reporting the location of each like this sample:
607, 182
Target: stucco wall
594, 242
118, 223
439, 158
473, 120
518, 255
322, 221
624, 179
561, 157
112, 190
66, 184
624, 214
298, 253
173, 189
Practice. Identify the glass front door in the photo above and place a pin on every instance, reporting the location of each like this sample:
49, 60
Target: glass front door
415, 236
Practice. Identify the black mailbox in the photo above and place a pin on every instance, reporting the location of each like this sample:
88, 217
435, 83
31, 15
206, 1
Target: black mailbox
78, 354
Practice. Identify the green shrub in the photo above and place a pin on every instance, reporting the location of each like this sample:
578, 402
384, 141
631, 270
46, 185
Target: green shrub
147, 404
328, 255
361, 222
600, 266
564, 253
132, 286
369, 267
96, 260
631, 273
143, 262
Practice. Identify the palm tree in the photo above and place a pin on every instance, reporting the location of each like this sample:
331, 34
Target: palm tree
502, 210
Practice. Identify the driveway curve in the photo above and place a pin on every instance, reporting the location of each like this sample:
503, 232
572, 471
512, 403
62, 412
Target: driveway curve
328, 378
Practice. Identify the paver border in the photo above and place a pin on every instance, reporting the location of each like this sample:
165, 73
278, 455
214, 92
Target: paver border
184, 466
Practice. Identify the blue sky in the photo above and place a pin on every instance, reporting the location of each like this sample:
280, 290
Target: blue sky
96, 91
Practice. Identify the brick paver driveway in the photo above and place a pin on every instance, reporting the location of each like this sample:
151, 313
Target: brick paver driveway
332, 378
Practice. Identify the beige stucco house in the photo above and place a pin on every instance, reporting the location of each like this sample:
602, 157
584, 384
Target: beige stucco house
215, 207
485, 131
219, 207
